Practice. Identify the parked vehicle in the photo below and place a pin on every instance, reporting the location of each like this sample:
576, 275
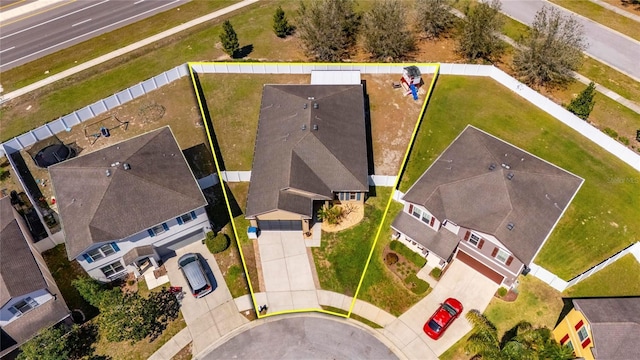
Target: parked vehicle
195, 275
448, 311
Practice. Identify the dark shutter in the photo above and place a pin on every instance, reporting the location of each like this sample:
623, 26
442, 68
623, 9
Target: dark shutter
432, 221
13, 310
193, 215
358, 196
88, 258
586, 342
115, 247
579, 324
564, 339
151, 233
466, 236
165, 226
509, 260
410, 208
481, 243
494, 252
179, 220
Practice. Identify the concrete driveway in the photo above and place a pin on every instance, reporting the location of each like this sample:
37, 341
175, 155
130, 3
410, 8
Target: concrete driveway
213, 315
461, 282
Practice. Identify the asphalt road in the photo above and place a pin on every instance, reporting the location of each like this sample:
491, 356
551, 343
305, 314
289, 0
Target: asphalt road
302, 338
48, 30
611, 47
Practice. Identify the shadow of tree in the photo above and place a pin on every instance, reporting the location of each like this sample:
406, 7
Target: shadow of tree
243, 52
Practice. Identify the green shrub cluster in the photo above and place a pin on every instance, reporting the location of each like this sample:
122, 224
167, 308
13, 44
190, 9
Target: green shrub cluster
408, 254
217, 243
436, 273
502, 292
419, 286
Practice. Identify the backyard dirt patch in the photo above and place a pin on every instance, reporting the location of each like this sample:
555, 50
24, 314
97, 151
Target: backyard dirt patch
353, 214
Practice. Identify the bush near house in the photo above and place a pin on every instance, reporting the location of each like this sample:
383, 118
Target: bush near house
217, 243
408, 254
436, 273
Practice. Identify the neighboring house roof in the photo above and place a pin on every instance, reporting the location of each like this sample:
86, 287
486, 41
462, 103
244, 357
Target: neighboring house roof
19, 272
461, 187
441, 243
303, 153
615, 326
20, 275
96, 208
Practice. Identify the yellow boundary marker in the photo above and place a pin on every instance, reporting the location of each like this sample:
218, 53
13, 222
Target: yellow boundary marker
205, 119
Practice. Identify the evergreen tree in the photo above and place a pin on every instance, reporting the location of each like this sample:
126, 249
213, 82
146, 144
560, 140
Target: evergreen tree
281, 25
229, 39
582, 105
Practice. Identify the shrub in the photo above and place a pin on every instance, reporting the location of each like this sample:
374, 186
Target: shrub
502, 292
217, 243
332, 215
624, 140
610, 132
391, 258
582, 105
281, 25
436, 273
419, 286
409, 254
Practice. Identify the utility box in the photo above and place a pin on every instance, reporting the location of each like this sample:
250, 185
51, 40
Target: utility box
252, 232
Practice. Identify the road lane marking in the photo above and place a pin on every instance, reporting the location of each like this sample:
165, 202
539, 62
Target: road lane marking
89, 33
138, 2
12, 4
80, 23
36, 13
11, 48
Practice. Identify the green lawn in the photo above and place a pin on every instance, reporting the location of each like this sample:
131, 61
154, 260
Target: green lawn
602, 218
621, 278
341, 258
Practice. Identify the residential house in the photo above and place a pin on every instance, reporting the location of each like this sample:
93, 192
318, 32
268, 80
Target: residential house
486, 203
127, 206
602, 328
311, 149
29, 298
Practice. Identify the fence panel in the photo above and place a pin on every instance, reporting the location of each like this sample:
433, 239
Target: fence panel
42, 132
98, 108
382, 180
57, 126
111, 102
148, 86
84, 114
548, 277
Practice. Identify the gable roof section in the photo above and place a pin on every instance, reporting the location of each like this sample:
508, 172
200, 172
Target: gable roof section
96, 208
459, 186
291, 154
615, 326
19, 271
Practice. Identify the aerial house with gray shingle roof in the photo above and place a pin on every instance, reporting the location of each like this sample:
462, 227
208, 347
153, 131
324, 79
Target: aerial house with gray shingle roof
310, 149
29, 297
486, 203
128, 205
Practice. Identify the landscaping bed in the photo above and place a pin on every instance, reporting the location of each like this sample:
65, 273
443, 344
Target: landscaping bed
405, 270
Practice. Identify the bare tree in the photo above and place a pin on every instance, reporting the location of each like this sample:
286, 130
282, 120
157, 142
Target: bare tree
328, 28
435, 17
385, 31
552, 49
479, 34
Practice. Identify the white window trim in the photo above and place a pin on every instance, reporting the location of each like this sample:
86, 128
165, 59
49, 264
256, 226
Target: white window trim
585, 331
111, 265
28, 301
186, 218
475, 238
100, 252
158, 229
506, 257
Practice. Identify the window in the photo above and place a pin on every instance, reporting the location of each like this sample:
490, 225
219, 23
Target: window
156, 230
422, 215
186, 218
352, 196
569, 345
474, 239
112, 269
502, 256
101, 252
23, 306
582, 333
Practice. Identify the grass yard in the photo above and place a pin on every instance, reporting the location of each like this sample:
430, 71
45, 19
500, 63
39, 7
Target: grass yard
603, 16
622, 278
341, 258
380, 286
601, 219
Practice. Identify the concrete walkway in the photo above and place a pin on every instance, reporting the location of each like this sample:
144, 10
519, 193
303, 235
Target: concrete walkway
617, 10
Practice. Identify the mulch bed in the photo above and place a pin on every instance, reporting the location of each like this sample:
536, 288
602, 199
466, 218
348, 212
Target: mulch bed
400, 267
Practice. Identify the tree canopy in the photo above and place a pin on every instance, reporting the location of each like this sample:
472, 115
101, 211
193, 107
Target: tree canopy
552, 49
479, 37
582, 105
281, 25
229, 39
328, 28
385, 31
435, 17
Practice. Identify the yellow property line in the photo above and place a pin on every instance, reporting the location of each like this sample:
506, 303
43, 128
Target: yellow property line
226, 197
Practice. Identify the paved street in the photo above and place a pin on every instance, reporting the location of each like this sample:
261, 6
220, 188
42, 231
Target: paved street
613, 48
305, 337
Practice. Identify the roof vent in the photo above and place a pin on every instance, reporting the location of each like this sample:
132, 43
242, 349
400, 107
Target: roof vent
505, 166
304, 126
310, 98
315, 105
126, 166
305, 106
108, 172
510, 226
510, 176
315, 127
492, 167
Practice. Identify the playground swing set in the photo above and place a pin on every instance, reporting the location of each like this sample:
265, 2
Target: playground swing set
102, 128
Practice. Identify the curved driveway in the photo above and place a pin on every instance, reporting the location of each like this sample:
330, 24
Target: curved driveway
308, 337
613, 48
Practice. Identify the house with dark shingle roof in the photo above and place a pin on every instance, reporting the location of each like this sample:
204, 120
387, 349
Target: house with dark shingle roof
29, 298
311, 149
128, 205
601, 328
486, 203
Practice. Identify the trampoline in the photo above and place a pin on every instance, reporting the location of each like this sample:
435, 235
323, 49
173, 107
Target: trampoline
50, 151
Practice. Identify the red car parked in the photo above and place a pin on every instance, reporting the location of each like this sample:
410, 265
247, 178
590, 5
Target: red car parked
448, 311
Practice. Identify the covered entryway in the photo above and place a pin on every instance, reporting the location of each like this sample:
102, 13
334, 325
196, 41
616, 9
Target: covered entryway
169, 249
280, 225
480, 267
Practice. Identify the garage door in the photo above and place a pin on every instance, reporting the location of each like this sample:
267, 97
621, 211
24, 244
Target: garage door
480, 267
169, 249
280, 225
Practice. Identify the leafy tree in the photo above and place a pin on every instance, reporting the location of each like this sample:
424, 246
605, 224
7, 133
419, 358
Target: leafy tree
281, 25
435, 17
582, 105
479, 37
229, 39
385, 31
46, 345
328, 28
552, 49
96, 293
523, 341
